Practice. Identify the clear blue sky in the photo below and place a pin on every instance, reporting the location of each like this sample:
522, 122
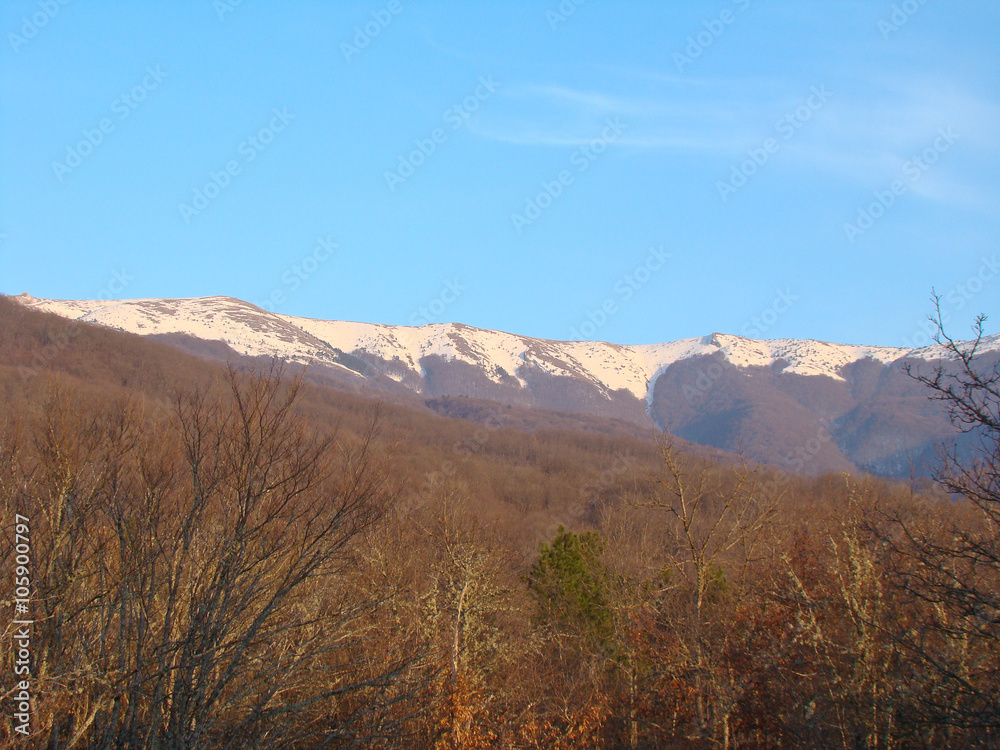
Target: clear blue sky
634, 114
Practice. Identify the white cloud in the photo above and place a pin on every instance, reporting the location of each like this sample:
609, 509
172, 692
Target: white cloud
864, 134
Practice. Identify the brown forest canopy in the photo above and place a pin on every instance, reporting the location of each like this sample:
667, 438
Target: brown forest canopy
227, 557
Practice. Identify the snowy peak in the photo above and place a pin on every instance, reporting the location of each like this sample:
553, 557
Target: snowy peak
500, 358
808, 406
801, 357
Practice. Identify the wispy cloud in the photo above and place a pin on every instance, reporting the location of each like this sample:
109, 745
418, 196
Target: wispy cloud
556, 115
864, 135
871, 138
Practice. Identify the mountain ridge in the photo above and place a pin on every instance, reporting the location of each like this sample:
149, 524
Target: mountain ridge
302, 339
721, 390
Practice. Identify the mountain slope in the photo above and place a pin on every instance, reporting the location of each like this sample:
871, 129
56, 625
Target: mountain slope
810, 405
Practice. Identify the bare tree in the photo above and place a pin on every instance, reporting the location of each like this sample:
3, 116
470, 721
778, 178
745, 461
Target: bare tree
195, 586
842, 663
716, 525
951, 570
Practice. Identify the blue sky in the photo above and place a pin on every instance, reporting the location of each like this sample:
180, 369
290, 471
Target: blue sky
625, 171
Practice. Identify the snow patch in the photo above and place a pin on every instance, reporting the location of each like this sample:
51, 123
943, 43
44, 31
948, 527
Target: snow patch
252, 331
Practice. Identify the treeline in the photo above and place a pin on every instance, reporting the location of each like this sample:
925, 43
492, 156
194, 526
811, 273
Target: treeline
253, 563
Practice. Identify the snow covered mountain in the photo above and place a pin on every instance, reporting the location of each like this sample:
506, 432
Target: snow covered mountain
252, 331
720, 389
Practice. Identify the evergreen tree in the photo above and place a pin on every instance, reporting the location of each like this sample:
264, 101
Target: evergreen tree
570, 584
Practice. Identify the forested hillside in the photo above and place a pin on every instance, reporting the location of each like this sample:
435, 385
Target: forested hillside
233, 557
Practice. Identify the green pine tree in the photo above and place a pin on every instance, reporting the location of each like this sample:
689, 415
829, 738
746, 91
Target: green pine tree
570, 584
